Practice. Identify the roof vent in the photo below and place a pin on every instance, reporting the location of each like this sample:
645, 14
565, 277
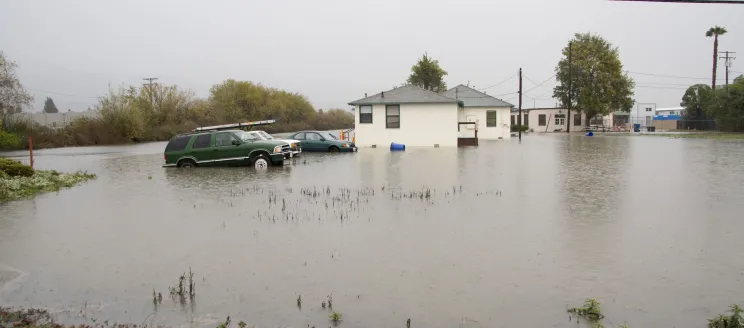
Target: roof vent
365, 95
382, 94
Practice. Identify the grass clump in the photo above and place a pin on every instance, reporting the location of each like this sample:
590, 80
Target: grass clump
590, 312
336, 317
734, 320
18, 181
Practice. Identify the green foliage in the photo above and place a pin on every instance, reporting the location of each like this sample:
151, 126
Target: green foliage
49, 106
734, 320
427, 74
517, 127
15, 169
13, 96
9, 140
598, 83
696, 101
335, 317
727, 106
18, 187
590, 311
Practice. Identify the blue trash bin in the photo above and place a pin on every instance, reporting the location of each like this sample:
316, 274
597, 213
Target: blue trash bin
397, 146
636, 128
589, 134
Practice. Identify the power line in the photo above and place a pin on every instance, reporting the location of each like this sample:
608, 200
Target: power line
543, 82
498, 84
669, 76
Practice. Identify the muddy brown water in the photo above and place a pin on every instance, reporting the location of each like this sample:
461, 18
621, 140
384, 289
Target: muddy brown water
503, 235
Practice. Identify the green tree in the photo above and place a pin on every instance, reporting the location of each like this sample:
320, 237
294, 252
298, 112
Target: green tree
13, 97
714, 32
728, 106
598, 84
428, 75
49, 106
696, 102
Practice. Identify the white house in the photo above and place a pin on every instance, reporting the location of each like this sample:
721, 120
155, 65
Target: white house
408, 115
490, 114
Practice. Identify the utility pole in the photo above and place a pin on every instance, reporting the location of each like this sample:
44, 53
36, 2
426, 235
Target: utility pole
570, 65
149, 85
519, 118
728, 63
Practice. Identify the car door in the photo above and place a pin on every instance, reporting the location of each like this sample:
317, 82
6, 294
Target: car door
314, 141
300, 137
202, 150
228, 148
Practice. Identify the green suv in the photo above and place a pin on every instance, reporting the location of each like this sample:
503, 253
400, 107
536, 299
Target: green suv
224, 148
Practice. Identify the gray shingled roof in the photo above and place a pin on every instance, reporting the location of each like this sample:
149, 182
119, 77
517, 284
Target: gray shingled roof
409, 94
474, 98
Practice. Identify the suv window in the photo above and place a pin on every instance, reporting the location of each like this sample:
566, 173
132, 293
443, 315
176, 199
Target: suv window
223, 139
202, 141
178, 143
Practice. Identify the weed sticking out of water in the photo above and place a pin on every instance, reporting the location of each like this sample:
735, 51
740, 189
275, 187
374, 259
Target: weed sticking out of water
299, 301
330, 301
408, 323
323, 305
734, 320
590, 312
335, 318
225, 324
183, 291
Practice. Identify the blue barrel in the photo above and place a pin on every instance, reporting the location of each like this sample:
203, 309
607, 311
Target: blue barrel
589, 134
397, 146
636, 128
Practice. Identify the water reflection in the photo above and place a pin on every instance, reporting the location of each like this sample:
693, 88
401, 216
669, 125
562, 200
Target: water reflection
638, 222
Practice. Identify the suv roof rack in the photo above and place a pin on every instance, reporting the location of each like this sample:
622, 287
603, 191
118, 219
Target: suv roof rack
234, 126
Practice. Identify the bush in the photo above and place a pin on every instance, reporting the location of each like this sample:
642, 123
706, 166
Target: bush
13, 168
516, 128
9, 140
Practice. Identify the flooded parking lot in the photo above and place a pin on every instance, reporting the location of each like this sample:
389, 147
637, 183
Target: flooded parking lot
502, 235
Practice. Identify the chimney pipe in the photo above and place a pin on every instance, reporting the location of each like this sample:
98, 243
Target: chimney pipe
383, 94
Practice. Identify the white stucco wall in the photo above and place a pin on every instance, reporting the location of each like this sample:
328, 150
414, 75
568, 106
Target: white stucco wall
478, 115
421, 125
534, 120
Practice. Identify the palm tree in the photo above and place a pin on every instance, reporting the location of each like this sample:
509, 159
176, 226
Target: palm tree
714, 32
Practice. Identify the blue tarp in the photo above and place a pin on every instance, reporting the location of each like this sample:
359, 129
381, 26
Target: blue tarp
667, 117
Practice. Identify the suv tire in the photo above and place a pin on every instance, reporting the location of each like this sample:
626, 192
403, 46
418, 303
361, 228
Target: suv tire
261, 162
186, 163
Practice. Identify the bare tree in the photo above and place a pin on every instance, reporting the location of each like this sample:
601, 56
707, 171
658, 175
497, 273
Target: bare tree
12, 95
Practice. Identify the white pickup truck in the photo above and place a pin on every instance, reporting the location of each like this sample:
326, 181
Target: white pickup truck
294, 145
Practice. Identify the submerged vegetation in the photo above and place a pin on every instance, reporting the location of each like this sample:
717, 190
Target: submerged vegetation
18, 181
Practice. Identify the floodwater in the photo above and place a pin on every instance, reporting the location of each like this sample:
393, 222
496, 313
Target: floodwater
502, 235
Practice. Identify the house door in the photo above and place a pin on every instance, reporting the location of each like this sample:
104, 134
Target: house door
648, 120
560, 121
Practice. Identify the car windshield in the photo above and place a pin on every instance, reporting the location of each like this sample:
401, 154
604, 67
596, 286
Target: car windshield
245, 136
328, 135
266, 135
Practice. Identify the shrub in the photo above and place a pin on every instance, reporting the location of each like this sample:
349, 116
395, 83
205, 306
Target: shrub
516, 128
9, 140
13, 168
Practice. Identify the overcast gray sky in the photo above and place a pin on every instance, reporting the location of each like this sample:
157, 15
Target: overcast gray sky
333, 51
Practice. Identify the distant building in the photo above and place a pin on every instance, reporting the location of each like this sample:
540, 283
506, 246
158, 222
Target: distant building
556, 119
490, 114
667, 119
54, 120
643, 114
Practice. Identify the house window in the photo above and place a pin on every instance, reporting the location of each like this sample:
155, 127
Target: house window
577, 119
392, 116
541, 120
365, 114
526, 120
560, 119
512, 119
490, 118
648, 109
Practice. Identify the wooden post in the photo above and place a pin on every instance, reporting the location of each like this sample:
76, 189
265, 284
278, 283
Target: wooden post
31, 151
